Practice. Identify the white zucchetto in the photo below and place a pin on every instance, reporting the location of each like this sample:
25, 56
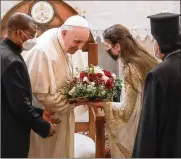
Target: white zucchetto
77, 20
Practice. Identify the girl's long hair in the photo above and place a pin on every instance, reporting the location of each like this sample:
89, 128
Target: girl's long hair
131, 52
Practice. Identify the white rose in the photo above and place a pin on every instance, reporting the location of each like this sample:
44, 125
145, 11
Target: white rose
98, 70
85, 79
105, 78
113, 75
92, 83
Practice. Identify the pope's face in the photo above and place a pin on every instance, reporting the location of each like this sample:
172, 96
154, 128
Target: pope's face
75, 38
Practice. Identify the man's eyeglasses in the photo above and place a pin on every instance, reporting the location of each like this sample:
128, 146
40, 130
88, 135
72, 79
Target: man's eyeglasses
31, 35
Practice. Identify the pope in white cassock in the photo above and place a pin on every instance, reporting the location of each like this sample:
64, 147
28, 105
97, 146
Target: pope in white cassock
49, 67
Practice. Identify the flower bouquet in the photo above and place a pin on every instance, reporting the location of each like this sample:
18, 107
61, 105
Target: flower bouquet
92, 84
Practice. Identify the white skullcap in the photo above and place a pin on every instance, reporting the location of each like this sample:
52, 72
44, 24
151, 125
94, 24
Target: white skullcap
77, 20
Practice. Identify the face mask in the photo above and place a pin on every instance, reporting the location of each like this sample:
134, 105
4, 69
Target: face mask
114, 57
29, 44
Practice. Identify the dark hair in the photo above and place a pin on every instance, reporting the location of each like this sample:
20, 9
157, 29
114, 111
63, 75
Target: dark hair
20, 21
131, 52
115, 33
168, 43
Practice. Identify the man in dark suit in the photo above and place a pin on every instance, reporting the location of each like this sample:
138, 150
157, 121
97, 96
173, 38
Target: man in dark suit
18, 116
159, 131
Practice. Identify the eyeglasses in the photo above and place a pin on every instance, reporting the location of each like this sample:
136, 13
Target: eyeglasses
32, 35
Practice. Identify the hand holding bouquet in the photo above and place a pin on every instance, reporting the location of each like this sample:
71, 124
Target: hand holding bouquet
93, 84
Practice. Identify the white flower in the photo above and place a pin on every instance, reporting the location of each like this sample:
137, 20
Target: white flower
98, 70
85, 79
105, 78
72, 91
92, 83
113, 75
102, 87
103, 92
91, 88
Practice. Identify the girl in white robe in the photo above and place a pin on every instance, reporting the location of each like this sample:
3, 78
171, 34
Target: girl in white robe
122, 118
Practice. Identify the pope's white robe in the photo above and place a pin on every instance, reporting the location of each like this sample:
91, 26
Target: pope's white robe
48, 71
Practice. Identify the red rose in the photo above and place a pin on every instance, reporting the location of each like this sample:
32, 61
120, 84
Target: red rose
107, 73
99, 81
82, 75
91, 77
99, 75
109, 84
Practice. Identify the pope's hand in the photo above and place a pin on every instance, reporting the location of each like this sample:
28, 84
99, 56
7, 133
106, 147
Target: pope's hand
48, 116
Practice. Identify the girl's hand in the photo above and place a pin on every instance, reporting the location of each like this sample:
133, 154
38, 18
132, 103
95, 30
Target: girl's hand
96, 104
79, 102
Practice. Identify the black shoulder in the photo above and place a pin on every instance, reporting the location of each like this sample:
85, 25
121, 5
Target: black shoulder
164, 73
162, 69
7, 58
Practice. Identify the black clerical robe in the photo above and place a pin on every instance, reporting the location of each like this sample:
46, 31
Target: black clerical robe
159, 131
18, 116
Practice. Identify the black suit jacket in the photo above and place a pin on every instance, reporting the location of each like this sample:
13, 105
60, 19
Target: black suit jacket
18, 116
159, 131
